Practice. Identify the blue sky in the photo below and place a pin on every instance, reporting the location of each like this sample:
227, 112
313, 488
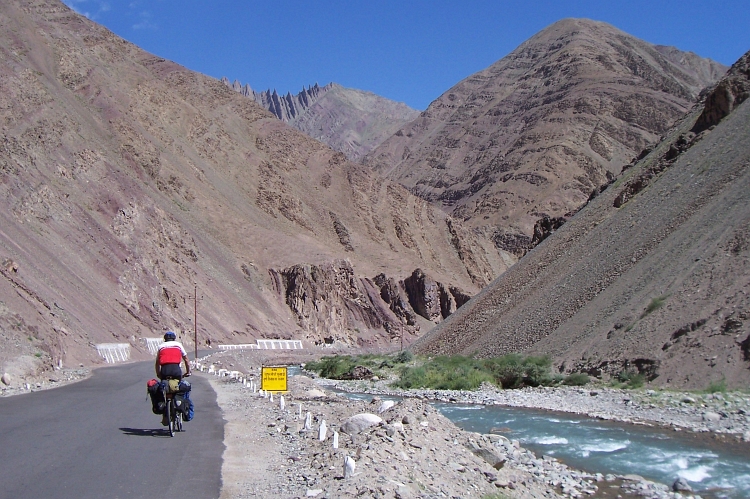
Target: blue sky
408, 51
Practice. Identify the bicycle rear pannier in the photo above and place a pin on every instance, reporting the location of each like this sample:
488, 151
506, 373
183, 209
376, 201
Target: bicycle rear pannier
157, 397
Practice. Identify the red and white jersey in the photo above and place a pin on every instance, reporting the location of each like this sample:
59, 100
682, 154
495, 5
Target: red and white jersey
171, 352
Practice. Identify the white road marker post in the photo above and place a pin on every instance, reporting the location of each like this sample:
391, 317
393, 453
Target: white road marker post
335, 440
282, 404
349, 466
322, 431
308, 421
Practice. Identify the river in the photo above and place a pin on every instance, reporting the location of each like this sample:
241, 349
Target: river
596, 446
712, 469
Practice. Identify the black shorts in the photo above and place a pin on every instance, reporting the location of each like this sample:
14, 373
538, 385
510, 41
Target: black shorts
170, 371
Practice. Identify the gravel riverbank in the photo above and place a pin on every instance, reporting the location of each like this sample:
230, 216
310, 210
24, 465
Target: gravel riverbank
721, 414
416, 452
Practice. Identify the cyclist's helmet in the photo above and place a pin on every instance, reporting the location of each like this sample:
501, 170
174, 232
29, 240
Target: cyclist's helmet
169, 336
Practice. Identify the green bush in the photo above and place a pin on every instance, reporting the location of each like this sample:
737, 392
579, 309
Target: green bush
717, 386
403, 357
655, 304
514, 371
631, 379
445, 373
576, 379
332, 367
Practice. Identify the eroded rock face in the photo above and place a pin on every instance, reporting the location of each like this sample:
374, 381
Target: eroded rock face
330, 298
544, 227
394, 295
431, 299
284, 107
333, 305
424, 295
729, 93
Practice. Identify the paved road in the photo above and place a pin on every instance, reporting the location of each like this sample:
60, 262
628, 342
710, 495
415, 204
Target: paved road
99, 439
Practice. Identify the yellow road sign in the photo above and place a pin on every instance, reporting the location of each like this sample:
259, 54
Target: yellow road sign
273, 379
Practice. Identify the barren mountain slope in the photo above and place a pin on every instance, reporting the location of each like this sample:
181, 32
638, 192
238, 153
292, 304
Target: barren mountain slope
127, 179
653, 275
347, 120
535, 133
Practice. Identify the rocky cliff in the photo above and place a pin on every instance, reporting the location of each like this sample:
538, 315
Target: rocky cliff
286, 107
533, 135
331, 303
651, 277
348, 120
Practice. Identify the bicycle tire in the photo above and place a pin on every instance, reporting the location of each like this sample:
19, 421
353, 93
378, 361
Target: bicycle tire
178, 421
170, 416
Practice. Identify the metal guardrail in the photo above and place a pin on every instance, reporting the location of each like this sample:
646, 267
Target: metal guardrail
113, 352
153, 344
266, 345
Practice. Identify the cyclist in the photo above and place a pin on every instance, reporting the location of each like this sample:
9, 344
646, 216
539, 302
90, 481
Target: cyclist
168, 358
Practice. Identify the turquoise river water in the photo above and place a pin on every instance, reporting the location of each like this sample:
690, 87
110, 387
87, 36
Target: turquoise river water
713, 470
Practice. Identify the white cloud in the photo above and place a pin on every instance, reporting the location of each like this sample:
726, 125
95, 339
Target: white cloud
89, 8
145, 21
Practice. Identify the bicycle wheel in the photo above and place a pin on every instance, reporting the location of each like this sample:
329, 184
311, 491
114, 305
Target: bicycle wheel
178, 420
170, 416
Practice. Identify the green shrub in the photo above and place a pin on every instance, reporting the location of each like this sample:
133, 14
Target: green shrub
655, 304
576, 379
445, 373
717, 386
403, 357
332, 367
514, 371
631, 379
496, 495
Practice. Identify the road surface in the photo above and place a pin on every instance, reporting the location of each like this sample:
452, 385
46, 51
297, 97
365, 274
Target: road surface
99, 439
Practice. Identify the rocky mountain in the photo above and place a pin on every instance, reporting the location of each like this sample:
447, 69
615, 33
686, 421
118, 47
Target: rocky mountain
287, 107
348, 120
128, 182
651, 277
532, 136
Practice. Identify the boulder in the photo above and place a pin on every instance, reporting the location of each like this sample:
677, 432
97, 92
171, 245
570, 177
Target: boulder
7, 379
385, 405
711, 416
681, 485
359, 422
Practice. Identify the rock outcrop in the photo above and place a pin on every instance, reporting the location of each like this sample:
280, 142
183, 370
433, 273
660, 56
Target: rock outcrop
431, 299
334, 306
287, 107
726, 95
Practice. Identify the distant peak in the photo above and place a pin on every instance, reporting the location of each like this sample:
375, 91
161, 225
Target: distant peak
287, 107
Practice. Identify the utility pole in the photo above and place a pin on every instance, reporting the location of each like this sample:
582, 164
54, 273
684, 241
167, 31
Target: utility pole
195, 323
196, 299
